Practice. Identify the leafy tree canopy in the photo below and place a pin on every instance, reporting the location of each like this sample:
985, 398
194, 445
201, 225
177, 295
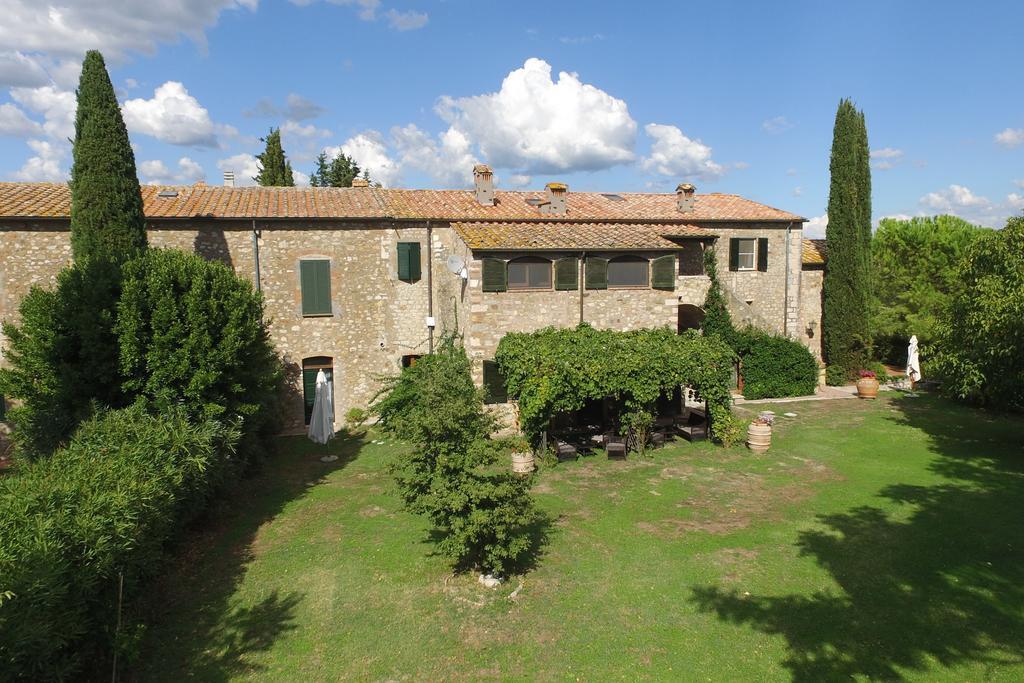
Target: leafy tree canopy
847, 291
915, 269
337, 172
107, 221
274, 168
981, 332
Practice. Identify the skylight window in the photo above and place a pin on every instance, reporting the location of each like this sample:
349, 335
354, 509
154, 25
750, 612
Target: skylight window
614, 197
167, 193
534, 202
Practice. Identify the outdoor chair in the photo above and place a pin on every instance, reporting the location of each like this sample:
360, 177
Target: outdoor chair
657, 439
565, 450
615, 445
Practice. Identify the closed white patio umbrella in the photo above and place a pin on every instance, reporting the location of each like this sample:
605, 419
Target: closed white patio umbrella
321, 423
913, 362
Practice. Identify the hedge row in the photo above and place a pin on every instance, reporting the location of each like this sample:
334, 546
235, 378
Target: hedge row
102, 507
774, 366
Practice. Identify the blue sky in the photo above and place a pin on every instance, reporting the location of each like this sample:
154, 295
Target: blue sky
734, 97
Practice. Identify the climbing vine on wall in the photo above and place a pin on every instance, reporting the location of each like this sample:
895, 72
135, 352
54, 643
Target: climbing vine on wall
558, 370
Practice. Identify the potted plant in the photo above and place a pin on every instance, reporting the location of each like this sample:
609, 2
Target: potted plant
759, 434
522, 455
867, 385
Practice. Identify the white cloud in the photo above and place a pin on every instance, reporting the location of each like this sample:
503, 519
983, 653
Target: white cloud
1010, 138
13, 121
406, 21
741, 165
1019, 183
886, 158
371, 153
790, 171
886, 153
18, 69
797, 191
815, 227
518, 180
448, 159
173, 116
296, 108
300, 178
535, 124
581, 40
115, 27
47, 163
777, 124
673, 154
244, 166
953, 198
297, 130
1015, 201
57, 107
155, 172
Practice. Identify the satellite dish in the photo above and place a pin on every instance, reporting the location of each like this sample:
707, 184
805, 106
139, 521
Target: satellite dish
457, 266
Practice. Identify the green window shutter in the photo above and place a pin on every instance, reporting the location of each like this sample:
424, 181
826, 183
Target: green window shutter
663, 272
494, 384
308, 392
495, 275
315, 280
567, 273
734, 253
762, 254
597, 273
409, 261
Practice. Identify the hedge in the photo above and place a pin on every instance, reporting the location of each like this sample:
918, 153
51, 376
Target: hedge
774, 366
103, 506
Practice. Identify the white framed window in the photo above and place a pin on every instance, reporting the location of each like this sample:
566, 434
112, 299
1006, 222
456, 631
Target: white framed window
746, 254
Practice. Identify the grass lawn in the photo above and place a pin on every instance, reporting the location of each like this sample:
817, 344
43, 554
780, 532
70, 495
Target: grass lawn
875, 540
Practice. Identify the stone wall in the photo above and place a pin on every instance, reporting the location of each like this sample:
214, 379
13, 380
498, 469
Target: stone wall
377, 319
812, 281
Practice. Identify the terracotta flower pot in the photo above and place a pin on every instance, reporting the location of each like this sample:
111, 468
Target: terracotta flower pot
759, 437
522, 463
867, 387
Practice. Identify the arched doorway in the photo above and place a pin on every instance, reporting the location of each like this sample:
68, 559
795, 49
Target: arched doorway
690, 317
310, 368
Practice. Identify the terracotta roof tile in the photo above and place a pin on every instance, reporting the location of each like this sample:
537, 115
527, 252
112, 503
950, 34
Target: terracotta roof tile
814, 252
574, 236
47, 200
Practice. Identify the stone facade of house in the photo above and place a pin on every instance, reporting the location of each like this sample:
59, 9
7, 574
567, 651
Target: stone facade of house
376, 320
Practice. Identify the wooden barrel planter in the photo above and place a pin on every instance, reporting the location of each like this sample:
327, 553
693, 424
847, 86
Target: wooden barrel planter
867, 387
522, 463
759, 437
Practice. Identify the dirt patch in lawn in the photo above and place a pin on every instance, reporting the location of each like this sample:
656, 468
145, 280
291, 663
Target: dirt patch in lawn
727, 501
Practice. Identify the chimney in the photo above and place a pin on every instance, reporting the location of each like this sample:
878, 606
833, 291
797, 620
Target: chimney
684, 197
360, 182
555, 201
483, 180
229, 178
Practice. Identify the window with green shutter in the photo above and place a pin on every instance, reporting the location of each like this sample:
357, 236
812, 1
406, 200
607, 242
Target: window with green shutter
762, 254
409, 261
567, 273
663, 272
494, 275
494, 384
315, 281
734, 253
596, 276
743, 253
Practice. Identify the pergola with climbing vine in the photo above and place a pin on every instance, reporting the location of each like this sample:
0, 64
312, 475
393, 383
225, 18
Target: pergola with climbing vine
557, 370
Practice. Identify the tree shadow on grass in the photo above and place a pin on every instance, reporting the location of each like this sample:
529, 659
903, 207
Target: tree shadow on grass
194, 630
940, 581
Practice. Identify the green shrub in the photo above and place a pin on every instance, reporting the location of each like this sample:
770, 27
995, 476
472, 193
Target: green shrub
356, 418
455, 474
62, 357
104, 505
775, 367
191, 333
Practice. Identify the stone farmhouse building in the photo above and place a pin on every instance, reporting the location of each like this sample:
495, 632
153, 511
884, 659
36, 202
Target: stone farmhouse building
361, 281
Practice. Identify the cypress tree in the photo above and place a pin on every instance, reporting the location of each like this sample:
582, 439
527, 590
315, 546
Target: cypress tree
716, 313
845, 329
107, 221
275, 169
